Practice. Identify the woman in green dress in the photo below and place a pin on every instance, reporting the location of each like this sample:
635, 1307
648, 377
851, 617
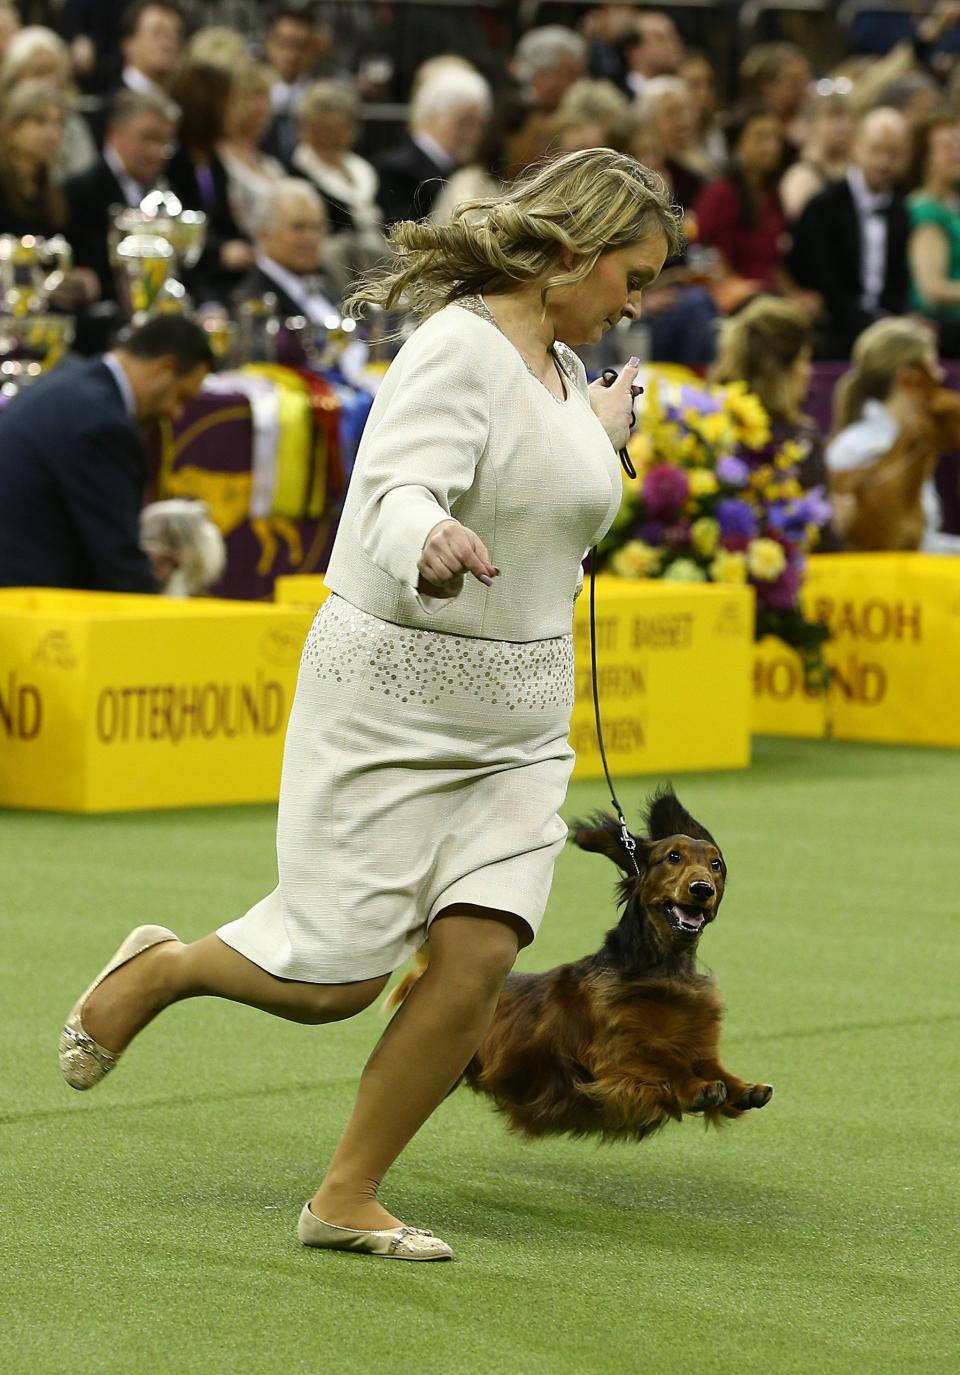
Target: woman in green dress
934, 245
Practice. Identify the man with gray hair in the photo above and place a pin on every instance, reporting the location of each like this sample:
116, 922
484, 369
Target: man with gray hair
448, 116
289, 231
546, 63
140, 136
850, 242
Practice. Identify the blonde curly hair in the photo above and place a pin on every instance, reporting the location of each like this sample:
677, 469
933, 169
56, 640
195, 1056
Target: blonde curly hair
587, 203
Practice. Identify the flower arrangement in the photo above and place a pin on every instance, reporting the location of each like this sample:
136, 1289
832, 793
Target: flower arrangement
718, 500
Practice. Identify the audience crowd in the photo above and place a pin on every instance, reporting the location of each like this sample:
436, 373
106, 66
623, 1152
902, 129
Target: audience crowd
827, 187
835, 187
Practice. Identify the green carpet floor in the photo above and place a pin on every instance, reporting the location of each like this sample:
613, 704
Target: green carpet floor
149, 1226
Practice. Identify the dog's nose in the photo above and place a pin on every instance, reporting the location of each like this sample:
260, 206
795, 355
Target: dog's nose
701, 889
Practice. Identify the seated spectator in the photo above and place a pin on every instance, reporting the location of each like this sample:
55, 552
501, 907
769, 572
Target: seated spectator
10, 22
850, 243
290, 49
198, 177
667, 110
709, 155
217, 46
31, 130
289, 242
777, 76
590, 115
546, 63
139, 141
934, 243
151, 43
518, 135
73, 469
825, 154
604, 27
38, 54
740, 214
652, 47
892, 422
678, 309
348, 184
448, 115
251, 173
769, 345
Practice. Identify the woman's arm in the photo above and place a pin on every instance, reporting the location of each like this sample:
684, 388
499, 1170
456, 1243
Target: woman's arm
929, 254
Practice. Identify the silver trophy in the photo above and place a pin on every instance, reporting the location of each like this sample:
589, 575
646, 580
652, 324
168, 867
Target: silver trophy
159, 218
33, 337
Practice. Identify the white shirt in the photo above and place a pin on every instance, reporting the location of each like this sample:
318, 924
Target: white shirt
313, 304
133, 191
136, 80
434, 150
118, 372
868, 439
871, 207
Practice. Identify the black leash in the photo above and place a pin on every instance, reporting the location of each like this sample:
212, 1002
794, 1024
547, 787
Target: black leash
609, 376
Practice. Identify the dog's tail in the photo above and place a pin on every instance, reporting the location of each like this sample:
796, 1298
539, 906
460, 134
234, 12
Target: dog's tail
396, 995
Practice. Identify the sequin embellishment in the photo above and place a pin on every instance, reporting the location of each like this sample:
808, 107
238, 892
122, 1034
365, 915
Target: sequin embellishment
347, 645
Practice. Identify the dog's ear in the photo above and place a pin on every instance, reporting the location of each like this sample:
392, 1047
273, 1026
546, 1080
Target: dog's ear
666, 816
601, 833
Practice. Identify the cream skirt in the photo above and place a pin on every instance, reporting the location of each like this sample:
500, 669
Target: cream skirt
419, 770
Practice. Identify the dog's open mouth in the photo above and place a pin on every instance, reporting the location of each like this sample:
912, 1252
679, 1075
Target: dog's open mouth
688, 920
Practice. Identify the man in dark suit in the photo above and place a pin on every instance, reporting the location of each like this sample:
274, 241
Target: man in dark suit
289, 250
850, 242
151, 41
73, 469
449, 114
140, 137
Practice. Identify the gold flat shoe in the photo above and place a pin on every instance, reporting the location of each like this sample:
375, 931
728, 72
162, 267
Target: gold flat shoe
396, 1243
83, 1061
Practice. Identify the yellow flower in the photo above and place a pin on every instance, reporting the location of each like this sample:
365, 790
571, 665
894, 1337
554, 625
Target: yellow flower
640, 449
765, 559
749, 416
702, 481
729, 566
705, 535
716, 428
636, 560
684, 570
761, 477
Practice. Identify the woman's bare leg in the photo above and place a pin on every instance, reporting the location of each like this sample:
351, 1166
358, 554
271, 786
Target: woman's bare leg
419, 1058
132, 995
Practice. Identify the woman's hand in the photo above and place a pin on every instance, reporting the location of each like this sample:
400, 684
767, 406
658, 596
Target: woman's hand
449, 551
613, 405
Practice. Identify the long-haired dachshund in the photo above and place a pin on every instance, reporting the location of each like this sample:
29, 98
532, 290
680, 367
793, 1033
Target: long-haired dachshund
621, 1041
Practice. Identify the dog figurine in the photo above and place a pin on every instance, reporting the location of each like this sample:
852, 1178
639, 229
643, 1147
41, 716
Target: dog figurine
621, 1042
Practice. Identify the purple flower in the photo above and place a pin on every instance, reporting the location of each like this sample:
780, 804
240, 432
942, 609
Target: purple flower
732, 471
793, 517
651, 532
665, 489
693, 399
736, 517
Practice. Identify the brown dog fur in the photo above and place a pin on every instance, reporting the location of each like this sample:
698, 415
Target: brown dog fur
621, 1042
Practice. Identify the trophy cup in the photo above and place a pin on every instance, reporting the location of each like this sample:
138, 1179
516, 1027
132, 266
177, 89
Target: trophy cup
134, 238
32, 336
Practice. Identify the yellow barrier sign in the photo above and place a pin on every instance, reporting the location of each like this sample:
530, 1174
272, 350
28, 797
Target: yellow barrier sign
894, 654
114, 702
673, 671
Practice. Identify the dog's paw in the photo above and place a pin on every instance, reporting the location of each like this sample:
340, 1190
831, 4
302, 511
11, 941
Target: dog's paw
754, 1096
710, 1095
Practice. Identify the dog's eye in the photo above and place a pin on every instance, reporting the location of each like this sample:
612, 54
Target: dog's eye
716, 864
674, 856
